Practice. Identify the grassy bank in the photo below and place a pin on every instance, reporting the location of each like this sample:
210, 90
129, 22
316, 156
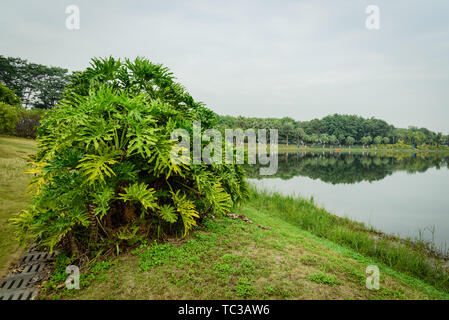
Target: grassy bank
13, 182
234, 259
413, 258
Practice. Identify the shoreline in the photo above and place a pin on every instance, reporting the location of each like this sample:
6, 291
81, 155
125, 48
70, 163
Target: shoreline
419, 258
293, 149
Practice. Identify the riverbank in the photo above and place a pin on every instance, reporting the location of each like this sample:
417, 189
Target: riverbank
282, 148
284, 251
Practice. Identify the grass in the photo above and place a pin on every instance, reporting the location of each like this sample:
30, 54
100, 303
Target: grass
13, 182
233, 259
324, 278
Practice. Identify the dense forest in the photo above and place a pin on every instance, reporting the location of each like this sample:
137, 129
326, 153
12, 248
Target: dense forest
339, 129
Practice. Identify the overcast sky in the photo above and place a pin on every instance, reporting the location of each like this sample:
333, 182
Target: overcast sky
303, 59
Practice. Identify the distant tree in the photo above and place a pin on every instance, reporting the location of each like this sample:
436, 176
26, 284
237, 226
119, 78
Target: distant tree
332, 139
324, 138
378, 140
446, 140
366, 140
287, 128
439, 139
314, 138
37, 85
386, 140
306, 138
341, 138
299, 134
8, 96
418, 138
350, 141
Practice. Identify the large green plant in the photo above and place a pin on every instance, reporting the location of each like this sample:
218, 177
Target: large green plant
104, 159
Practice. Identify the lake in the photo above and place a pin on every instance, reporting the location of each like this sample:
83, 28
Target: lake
402, 193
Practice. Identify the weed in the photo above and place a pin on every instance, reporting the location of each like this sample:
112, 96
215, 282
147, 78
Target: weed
309, 260
323, 278
155, 255
244, 288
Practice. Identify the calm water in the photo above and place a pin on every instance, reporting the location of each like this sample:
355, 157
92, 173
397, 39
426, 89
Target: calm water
401, 194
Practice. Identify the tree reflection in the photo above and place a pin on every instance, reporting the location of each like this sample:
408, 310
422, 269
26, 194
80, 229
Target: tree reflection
347, 168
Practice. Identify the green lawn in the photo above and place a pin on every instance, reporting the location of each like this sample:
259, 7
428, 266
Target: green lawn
13, 182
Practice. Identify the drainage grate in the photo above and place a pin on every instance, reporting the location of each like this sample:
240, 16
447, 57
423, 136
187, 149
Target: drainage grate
33, 268
18, 281
23, 286
21, 294
37, 256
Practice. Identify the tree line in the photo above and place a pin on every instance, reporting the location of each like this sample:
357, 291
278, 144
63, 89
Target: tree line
27, 90
41, 87
338, 129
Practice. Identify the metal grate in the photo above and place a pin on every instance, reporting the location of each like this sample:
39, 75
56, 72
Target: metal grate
37, 256
20, 294
23, 285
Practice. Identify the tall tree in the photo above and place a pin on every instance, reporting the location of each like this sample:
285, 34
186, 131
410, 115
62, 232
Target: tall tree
299, 134
366, 140
332, 139
314, 138
378, 140
341, 138
324, 138
350, 141
287, 129
37, 85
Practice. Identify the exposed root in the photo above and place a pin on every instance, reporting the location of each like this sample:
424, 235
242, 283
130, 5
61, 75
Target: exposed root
129, 213
93, 227
73, 246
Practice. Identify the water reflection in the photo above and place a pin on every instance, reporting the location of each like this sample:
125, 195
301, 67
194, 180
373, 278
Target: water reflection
336, 168
398, 193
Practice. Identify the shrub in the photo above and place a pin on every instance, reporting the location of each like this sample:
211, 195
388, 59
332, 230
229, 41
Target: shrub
8, 96
9, 115
104, 160
16, 120
29, 120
